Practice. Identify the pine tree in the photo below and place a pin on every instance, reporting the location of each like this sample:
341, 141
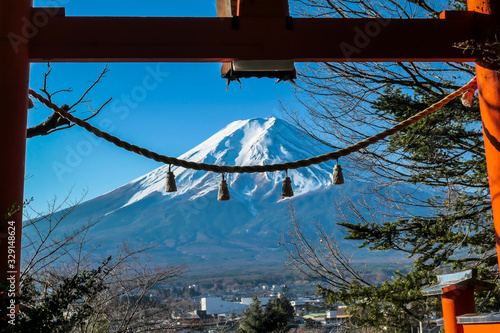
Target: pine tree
455, 232
277, 315
274, 318
443, 150
449, 230
252, 321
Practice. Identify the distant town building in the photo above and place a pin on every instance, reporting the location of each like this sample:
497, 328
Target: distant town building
249, 300
216, 305
331, 314
301, 304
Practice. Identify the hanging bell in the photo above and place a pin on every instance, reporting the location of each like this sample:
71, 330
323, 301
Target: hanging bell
287, 190
337, 177
467, 97
223, 190
170, 185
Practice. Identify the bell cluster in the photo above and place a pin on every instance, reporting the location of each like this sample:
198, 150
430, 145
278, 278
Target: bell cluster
224, 195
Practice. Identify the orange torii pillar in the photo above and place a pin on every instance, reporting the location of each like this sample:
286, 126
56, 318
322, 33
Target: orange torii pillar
455, 302
488, 12
14, 77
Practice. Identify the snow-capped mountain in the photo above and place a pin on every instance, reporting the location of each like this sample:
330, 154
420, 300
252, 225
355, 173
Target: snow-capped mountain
191, 226
244, 142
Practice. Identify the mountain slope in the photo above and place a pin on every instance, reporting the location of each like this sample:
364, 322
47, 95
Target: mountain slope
192, 226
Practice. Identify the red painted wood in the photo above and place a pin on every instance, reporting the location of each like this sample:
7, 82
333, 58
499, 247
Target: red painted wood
456, 302
132, 39
481, 328
14, 69
489, 100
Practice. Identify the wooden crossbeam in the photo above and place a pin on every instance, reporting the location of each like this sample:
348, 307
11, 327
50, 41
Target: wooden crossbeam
181, 39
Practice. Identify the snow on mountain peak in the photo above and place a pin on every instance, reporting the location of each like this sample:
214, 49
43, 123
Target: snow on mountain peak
257, 141
191, 226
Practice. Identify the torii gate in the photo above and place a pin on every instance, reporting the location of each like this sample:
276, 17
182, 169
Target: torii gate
262, 30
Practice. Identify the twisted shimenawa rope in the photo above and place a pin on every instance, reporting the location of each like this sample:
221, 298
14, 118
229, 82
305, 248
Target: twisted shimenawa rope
254, 168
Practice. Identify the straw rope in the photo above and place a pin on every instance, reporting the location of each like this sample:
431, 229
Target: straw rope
254, 168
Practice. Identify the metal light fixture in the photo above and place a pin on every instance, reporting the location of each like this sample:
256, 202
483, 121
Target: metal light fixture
283, 70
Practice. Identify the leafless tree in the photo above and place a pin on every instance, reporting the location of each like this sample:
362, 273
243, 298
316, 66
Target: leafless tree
228, 323
336, 99
53, 251
320, 258
127, 304
55, 122
338, 105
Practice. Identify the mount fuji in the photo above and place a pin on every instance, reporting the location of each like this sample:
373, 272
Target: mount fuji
191, 226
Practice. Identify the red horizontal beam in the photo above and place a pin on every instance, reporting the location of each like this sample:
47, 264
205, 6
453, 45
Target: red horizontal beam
135, 39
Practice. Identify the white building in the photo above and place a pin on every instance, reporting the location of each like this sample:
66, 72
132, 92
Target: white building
331, 314
215, 305
249, 300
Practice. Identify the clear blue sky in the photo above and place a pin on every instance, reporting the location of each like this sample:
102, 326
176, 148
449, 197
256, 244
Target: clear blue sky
188, 104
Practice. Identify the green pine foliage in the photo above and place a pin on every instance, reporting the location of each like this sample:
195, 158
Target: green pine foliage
62, 308
252, 321
449, 230
444, 151
273, 318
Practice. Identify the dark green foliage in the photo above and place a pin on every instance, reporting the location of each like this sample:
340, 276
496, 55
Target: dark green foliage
396, 303
445, 151
61, 308
309, 323
277, 315
252, 321
284, 305
274, 318
445, 227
